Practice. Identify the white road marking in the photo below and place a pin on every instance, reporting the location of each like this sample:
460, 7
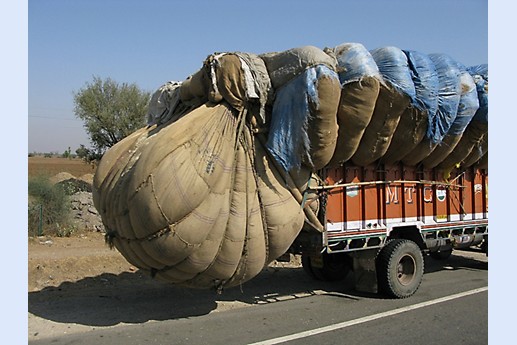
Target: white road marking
367, 318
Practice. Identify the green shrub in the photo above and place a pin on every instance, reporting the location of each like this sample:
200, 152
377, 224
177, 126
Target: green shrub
49, 208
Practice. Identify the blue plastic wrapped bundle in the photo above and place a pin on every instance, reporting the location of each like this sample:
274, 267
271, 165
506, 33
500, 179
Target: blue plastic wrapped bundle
467, 107
303, 125
425, 79
469, 103
449, 93
415, 120
481, 70
393, 65
480, 75
354, 63
360, 79
475, 136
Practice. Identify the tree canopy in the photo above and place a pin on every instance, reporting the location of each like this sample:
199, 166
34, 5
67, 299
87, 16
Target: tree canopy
110, 111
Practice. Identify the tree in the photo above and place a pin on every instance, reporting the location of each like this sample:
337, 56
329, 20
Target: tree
88, 155
82, 152
67, 153
110, 111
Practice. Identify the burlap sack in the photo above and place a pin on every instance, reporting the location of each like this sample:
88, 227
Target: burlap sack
419, 153
355, 111
483, 162
303, 128
410, 131
378, 134
195, 86
230, 81
286, 65
471, 139
196, 203
442, 150
476, 155
323, 127
241, 79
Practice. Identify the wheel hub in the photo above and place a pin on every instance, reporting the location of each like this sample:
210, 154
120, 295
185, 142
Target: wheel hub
406, 269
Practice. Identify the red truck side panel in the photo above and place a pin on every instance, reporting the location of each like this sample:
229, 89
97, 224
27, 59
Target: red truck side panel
370, 200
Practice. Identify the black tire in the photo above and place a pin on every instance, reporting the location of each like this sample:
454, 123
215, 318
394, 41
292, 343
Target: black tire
441, 254
400, 268
335, 267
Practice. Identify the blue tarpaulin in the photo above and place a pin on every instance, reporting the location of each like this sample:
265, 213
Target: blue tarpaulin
425, 79
449, 93
468, 105
393, 65
480, 74
288, 140
355, 62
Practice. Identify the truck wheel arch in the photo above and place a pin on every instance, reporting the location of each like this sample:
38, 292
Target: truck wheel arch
410, 232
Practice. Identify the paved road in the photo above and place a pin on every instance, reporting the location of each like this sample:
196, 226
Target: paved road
451, 306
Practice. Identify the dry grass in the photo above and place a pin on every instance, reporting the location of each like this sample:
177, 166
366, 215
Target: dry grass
39, 166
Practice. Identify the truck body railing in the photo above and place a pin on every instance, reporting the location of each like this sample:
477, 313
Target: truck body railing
362, 207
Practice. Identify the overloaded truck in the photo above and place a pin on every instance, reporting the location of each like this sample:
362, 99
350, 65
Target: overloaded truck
380, 220
354, 159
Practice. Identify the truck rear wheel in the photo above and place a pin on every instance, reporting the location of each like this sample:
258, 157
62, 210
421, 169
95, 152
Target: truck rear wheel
400, 268
327, 267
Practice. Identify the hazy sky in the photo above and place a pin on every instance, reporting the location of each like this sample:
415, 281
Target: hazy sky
152, 42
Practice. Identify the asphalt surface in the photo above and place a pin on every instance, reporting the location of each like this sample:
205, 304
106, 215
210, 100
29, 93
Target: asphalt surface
451, 306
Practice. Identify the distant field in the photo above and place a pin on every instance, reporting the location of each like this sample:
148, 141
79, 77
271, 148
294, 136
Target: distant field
52, 166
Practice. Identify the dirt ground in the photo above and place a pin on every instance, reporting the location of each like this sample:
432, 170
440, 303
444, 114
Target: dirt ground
54, 261
78, 284
50, 166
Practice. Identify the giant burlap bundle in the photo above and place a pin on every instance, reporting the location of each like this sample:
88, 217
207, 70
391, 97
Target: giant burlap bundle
322, 124
470, 140
303, 121
356, 107
377, 137
410, 131
241, 79
395, 95
196, 202
286, 65
477, 154
359, 77
483, 162
196, 86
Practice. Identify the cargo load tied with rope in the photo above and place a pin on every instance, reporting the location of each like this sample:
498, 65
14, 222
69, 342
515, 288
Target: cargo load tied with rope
216, 187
